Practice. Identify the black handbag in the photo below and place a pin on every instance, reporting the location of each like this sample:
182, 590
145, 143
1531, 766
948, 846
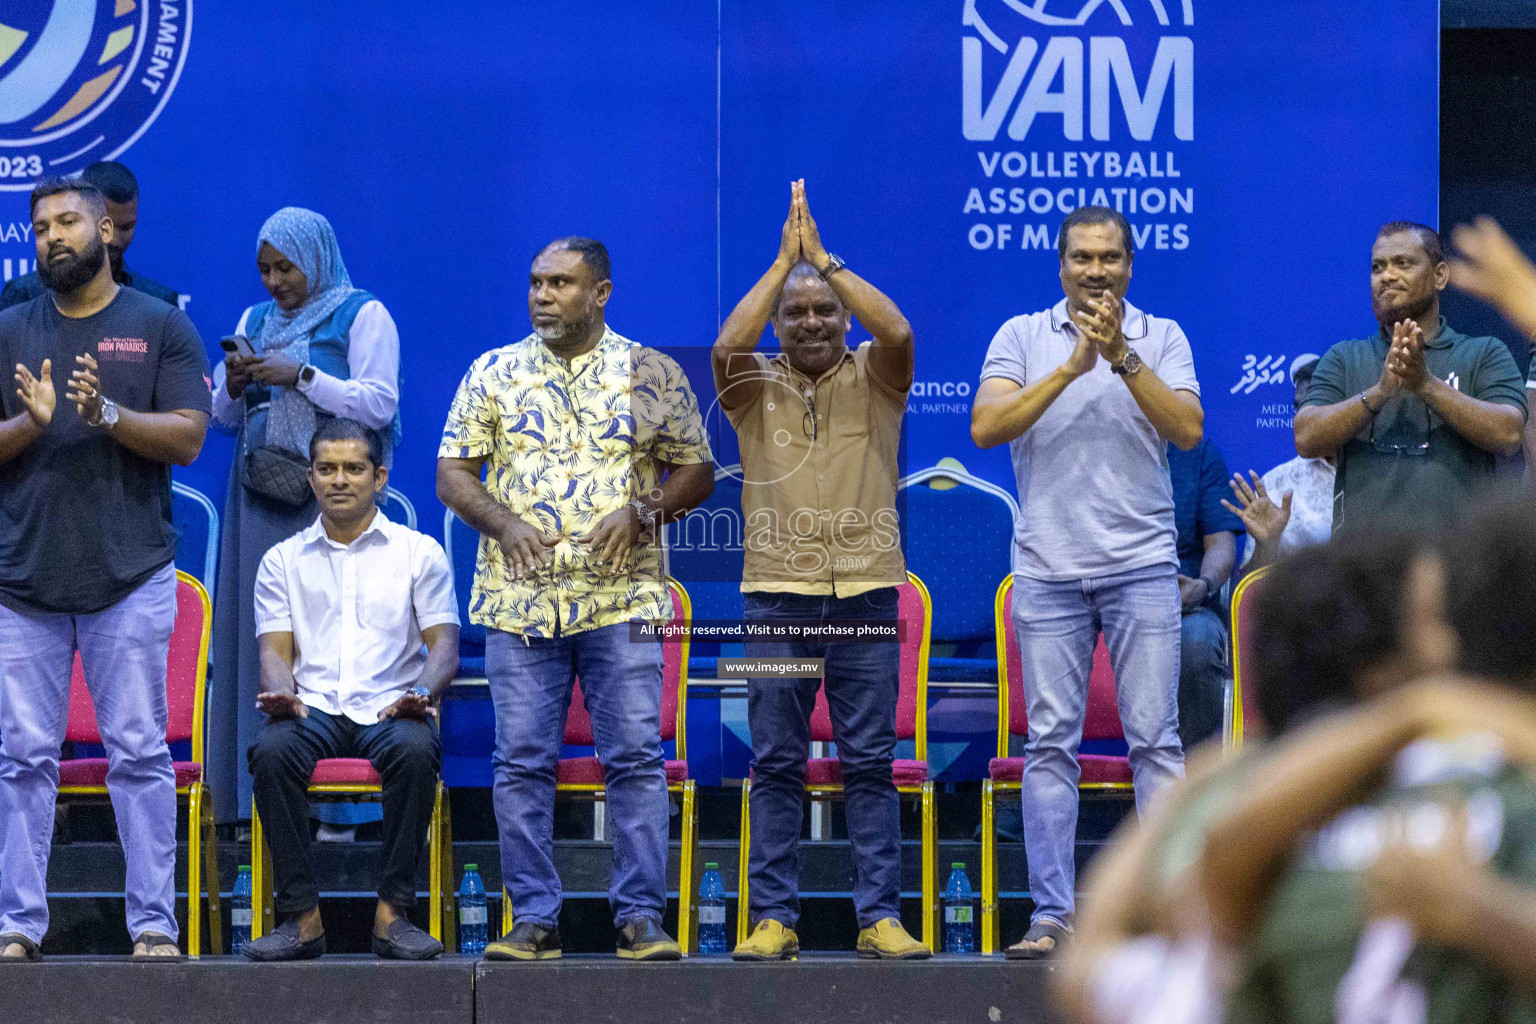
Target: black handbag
276, 474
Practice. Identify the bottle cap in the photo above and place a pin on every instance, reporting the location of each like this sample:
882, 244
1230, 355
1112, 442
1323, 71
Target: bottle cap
246, 868
710, 865
958, 865
471, 867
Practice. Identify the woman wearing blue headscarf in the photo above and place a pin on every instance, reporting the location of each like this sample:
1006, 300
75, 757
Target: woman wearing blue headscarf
321, 348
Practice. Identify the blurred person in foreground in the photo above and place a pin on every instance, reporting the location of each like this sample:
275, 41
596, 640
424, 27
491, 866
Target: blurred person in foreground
1380, 866
1489, 264
1341, 621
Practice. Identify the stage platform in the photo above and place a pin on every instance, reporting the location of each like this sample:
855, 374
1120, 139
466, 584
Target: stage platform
818, 989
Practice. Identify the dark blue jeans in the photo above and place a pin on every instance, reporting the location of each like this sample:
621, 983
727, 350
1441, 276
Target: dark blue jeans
861, 683
1203, 674
530, 679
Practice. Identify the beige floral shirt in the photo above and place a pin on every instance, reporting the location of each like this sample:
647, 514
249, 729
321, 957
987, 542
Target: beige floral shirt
565, 445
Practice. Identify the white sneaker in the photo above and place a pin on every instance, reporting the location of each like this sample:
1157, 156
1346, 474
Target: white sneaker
333, 834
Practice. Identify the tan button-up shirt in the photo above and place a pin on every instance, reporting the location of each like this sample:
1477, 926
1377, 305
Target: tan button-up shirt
819, 467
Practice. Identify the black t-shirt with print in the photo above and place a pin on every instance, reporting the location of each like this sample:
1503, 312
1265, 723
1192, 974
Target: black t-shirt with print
84, 520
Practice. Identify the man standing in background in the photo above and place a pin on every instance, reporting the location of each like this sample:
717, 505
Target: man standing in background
820, 429
87, 559
1087, 394
120, 189
591, 441
1417, 415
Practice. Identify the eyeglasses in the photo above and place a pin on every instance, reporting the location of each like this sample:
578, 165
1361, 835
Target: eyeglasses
1416, 449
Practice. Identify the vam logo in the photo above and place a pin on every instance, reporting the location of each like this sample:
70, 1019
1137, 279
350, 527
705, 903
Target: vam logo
1062, 57
81, 80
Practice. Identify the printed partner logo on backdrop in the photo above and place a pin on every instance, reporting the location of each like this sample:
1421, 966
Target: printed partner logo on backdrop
81, 80
1096, 126
1264, 371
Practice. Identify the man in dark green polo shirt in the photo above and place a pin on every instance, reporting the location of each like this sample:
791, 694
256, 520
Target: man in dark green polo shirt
1416, 415
121, 190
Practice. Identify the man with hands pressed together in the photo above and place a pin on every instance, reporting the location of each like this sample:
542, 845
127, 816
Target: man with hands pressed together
1416, 415
590, 441
819, 427
87, 556
1087, 395
343, 610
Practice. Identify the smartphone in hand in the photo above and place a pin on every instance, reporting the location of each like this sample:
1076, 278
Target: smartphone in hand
238, 345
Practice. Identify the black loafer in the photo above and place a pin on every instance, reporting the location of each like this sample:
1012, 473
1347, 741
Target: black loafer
406, 942
283, 944
643, 939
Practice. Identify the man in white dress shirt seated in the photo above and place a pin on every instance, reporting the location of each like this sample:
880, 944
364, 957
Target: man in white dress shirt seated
343, 610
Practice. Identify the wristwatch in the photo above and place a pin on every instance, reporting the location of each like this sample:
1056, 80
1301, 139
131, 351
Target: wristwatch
108, 417
307, 374
646, 514
834, 264
420, 691
1130, 366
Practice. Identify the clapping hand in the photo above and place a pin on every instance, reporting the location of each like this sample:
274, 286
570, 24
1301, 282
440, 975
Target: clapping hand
1100, 322
85, 389
1405, 359
789, 239
811, 249
36, 393
1262, 518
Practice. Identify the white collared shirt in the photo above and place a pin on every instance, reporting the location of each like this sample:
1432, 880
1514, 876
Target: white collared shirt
356, 612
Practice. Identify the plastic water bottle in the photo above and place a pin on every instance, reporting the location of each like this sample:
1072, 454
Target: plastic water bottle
240, 912
472, 912
959, 921
711, 911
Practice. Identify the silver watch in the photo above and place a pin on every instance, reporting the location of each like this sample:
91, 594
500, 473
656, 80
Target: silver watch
834, 264
646, 514
1130, 366
108, 417
420, 691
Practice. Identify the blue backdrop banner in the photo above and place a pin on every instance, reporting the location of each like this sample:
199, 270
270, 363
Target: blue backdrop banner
1254, 147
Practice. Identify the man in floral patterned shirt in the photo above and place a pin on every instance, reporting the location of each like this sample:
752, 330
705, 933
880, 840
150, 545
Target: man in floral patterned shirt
591, 441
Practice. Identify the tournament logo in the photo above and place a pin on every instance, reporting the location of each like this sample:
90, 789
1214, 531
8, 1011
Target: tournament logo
81, 80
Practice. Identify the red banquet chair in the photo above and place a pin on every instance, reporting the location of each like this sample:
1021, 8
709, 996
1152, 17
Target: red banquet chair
1244, 719
824, 775
581, 778
1101, 773
186, 675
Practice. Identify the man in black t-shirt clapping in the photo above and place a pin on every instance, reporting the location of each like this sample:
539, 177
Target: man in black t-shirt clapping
86, 556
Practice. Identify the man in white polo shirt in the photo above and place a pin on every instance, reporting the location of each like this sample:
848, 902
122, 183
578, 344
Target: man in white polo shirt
1087, 394
343, 609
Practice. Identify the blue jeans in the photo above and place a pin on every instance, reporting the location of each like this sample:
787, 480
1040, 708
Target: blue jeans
862, 682
1058, 625
1203, 674
530, 680
123, 651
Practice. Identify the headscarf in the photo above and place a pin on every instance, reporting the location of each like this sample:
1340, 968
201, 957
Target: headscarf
307, 240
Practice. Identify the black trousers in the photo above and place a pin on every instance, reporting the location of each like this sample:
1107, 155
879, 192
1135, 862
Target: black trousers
404, 752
